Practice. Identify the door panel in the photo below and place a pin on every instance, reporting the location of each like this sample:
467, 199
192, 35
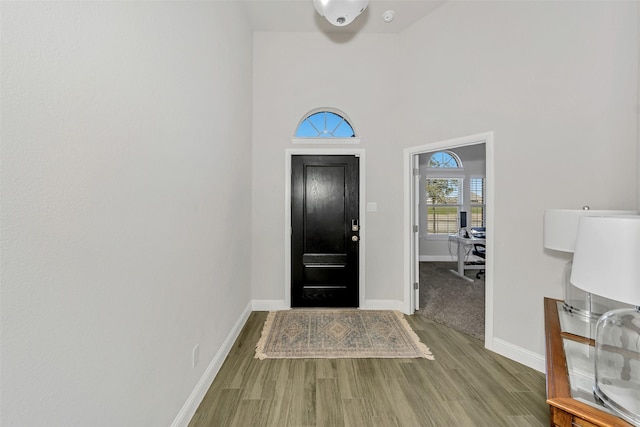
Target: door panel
324, 256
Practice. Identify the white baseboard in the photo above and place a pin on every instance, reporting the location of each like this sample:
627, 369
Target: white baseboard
447, 258
268, 305
189, 408
440, 258
370, 304
383, 304
519, 354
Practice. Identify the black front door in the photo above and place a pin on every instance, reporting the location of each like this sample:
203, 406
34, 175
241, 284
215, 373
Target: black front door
324, 231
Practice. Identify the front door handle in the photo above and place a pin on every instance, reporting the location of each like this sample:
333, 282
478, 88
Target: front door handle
354, 238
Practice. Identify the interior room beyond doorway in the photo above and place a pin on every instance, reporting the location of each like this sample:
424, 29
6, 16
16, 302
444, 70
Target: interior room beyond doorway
452, 201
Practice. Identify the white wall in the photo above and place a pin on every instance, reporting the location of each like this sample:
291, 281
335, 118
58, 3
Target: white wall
126, 189
293, 74
556, 81
125, 205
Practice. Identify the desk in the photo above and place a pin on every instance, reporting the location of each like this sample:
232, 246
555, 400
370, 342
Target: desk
465, 243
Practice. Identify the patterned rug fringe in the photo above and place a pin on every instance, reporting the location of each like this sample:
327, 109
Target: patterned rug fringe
266, 330
422, 347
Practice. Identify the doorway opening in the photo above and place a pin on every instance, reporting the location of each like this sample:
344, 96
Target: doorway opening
414, 192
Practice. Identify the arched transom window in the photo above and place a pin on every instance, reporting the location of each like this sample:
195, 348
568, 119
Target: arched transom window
444, 159
325, 123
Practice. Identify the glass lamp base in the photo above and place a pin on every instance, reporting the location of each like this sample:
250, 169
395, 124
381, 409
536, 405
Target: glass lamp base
617, 363
587, 305
583, 303
619, 407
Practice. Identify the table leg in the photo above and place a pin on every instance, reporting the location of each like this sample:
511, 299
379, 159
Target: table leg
461, 253
461, 256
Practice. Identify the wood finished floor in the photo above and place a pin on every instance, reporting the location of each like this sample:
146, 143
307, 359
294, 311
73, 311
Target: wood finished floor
465, 386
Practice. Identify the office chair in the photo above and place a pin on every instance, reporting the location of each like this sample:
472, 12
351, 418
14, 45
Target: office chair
479, 251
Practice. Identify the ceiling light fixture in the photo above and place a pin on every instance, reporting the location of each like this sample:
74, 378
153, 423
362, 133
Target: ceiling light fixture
340, 12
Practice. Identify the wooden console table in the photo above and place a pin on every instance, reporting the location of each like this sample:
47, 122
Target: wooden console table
567, 409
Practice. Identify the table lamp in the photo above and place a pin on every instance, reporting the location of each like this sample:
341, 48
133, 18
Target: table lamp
606, 262
560, 230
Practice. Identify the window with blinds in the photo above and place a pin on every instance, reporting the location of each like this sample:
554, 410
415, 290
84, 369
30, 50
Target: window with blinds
444, 202
477, 201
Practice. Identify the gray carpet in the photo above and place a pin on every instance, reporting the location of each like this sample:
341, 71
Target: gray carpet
448, 299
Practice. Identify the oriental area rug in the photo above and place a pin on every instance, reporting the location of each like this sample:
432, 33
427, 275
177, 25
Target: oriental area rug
338, 334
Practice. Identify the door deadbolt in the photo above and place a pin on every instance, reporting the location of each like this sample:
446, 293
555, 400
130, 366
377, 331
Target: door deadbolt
354, 238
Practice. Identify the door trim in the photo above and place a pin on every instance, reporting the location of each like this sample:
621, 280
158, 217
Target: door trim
409, 153
287, 214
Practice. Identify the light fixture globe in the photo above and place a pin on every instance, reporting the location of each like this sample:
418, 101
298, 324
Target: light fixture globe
340, 12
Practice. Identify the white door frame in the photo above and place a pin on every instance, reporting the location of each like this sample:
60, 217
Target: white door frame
411, 257
287, 213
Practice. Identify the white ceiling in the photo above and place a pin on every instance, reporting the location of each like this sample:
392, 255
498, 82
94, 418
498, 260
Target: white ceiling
301, 16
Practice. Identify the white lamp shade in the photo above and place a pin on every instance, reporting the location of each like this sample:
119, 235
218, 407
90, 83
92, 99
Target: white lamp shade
606, 261
561, 226
340, 12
